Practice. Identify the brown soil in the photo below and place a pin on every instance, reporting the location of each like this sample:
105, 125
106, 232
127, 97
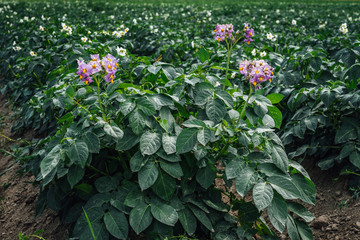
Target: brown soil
337, 213
18, 195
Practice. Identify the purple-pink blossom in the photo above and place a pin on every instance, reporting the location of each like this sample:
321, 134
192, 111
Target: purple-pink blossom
249, 33
106, 66
223, 31
256, 71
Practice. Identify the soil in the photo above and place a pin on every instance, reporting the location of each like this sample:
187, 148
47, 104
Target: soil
336, 211
18, 195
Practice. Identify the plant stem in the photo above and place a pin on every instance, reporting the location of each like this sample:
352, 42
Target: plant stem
97, 170
100, 103
246, 103
229, 46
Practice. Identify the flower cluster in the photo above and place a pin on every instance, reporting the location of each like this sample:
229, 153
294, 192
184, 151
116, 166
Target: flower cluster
272, 37
66, 28
107, 66
256, 71
249, 33
223, 31
343, 28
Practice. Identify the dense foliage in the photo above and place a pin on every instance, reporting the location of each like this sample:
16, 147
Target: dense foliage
153, 147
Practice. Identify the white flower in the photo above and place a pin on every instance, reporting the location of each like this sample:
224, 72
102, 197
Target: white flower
263, 54
17, 48
126, 30
121, 51
262, 26
233, 75
89, 32
112, 17
253, 52
293, 22
345, 30
41, 28
269, 36
134, 21
33, 54
192, 44
84, 39
274, 38
21, 21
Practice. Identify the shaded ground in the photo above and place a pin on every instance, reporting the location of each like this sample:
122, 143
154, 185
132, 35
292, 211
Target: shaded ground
18, 195
337, 213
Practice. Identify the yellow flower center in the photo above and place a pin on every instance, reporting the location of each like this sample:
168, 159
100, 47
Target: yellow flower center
81, 77
256, 72
86, 82
94, 65
251, 34
261, 79
109, 67
254, 83
266, 69
95, 59
117, 64
215, 30
109, 59
84, 70
269, 79
248, 42
241, 68
219, 39
222, 30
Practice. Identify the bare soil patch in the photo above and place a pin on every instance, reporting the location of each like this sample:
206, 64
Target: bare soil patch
18, 195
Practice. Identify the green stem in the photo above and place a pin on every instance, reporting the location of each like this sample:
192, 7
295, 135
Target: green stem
97, 170
100, 103
229, 47
246, 103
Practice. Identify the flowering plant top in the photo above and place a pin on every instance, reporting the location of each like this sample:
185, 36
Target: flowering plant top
107, 65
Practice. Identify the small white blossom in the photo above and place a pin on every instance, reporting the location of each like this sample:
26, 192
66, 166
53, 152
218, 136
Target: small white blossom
33, 54
192, 44
84, 39
233, 75
121, 51
41, 28
263, 54
293, 22
253, 52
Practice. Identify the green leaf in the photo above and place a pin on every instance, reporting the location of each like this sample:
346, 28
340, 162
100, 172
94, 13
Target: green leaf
78, 153
173, 169
226, 97
75, 174
327, 97
203, 92
203, 55
346, 131
234, 168
70, 91
112, 87
262, 195
92, 141
206, 176
127, 107
279, 157
215, 110
116, 223
275, 97
146, 106
355, 158
186, 140
154, 70
137, 121
134, 198
148, 175
248, 177
169, 143
202, 217
292, 229
164, 213
268, 121
277, 212
106, 184
140, 218
164, 186
304, 230
311, 123
128, 141
136, 162
113, 131
194, 123
170, 158
301, 211
50, 162
187, 220
150, 142
276, 114
285, 187
204, 136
